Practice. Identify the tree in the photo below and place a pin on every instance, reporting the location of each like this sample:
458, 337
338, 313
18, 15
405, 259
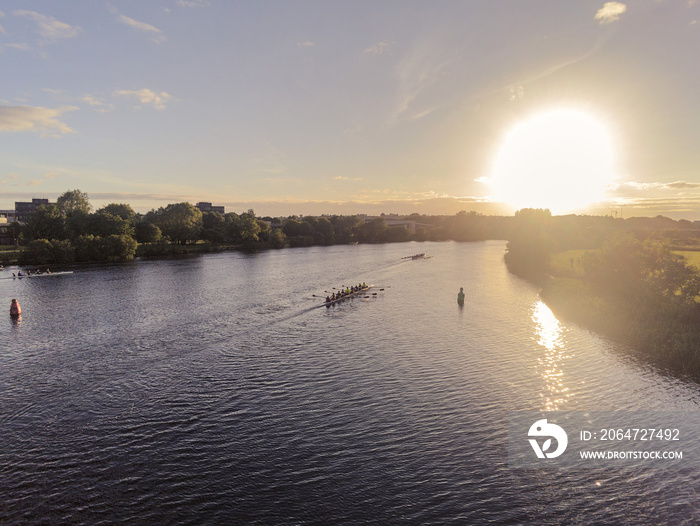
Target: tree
146, 232
121, 210
373, 230
214, 227
277, 238
112, 248
641, 273
181, 222
103, 223
44, 252
73, 201
529, 250
46, 222
249, 230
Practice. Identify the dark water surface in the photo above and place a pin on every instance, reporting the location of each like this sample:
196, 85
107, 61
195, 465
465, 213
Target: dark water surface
209, 390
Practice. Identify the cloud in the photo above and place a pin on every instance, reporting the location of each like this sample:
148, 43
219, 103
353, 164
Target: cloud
380, 48
21, 47
192, 3
34, 118
96, 103
47, 176
156, 34
662, 186
343, 178
610, 12
146, 96
48, 27
306, 43
417, 73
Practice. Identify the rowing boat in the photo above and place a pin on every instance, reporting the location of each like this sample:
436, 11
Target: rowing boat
47, 274
349, 295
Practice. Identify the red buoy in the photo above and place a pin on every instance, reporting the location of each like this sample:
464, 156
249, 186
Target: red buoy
15, 309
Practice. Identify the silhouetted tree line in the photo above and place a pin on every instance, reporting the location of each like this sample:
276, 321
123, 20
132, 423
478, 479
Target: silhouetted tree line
69, 231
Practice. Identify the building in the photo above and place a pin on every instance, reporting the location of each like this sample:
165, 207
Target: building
208, 207
23, 209
9, 215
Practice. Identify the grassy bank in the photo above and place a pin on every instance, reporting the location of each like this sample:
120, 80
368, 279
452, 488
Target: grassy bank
9, 254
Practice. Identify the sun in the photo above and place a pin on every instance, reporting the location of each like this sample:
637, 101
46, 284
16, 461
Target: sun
560, 159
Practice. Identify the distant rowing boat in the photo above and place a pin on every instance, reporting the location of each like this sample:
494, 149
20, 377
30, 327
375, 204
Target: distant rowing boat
45, 275
349, 295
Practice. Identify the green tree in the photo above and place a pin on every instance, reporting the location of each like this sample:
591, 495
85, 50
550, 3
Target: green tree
277, 238
146, 232
181, 222
46, 222
45, 252
636, 272
103, 223
373, 231
250, 230
213, 227
346, 228
73, 201
121, 210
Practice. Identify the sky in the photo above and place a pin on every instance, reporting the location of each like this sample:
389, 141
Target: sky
313, 107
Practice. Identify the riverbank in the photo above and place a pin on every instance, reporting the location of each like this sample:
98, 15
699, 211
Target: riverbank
659, 323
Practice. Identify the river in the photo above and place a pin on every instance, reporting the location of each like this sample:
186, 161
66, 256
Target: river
214, 390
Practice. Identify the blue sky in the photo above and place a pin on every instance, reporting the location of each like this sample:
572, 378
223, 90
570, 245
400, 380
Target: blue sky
338, 107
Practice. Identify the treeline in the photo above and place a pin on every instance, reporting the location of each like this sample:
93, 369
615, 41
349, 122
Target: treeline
70, 231
628, 285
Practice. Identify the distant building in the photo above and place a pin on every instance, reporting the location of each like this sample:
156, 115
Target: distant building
23, 209
6, 234
9, 215
208, 207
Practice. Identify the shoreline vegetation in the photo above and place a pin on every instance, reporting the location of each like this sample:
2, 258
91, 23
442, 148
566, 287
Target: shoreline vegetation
634, 280
629, 280
70, 232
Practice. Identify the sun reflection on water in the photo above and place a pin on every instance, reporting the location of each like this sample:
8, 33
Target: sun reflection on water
549, 334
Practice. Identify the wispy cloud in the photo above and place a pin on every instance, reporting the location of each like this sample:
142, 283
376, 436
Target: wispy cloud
18, 46
96, 104
380, 48
306, 43
343, 178
417, 73
661, 186
146, 96
155, 33
46, 177
48, 27
34, 118
610, 12
192, 3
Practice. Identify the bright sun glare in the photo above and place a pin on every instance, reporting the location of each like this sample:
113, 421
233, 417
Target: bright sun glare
561, 160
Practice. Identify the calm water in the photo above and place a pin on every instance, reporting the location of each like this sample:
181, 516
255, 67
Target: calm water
211, 390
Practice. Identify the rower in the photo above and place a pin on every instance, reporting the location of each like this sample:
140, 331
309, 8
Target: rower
328, 299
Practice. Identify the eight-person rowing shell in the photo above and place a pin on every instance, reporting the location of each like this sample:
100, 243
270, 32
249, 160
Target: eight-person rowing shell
346, 292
